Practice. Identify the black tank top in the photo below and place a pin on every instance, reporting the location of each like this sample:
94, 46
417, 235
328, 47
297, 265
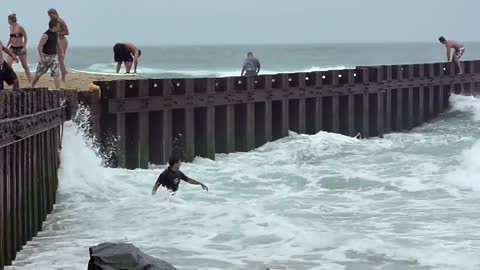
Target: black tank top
50, 46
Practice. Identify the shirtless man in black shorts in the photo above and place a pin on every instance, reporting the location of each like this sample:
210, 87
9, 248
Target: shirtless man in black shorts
6, 72
126, 52
171, 176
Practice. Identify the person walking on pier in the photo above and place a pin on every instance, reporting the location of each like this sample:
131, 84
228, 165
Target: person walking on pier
49, 51
18, 44
251, 66
6, 72
459, 49
63, 32
126, 52
171, 176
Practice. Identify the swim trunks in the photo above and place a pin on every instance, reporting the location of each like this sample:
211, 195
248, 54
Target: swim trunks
457, 54
250, 65
17, 50
51, 62
121, 53
7, 74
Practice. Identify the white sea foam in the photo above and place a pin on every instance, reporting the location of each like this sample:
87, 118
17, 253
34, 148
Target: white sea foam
110, 68
324, 201
467, 176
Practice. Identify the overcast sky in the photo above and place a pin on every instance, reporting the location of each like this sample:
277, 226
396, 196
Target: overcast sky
192, 22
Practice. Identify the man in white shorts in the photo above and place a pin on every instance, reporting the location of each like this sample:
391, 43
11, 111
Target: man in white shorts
458, 48
49, 50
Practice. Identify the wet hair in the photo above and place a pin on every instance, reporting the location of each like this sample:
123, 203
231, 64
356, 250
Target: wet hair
52, 23
12, 17
249, 53
173, 160
441, 39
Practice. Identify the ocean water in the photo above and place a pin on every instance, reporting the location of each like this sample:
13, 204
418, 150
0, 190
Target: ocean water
220, 61
325, 201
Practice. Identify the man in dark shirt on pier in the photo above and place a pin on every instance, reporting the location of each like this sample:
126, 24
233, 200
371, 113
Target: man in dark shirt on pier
49, 50
251, 66
459, 49
171, 176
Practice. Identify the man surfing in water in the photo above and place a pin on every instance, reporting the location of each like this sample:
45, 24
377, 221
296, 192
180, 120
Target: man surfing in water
171, 176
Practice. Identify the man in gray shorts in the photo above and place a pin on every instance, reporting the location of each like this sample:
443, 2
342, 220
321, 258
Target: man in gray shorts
49, 51
251, 66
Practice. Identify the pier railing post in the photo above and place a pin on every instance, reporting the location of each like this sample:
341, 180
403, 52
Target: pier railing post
205, 118
429, 91
210, 121
230, 119
285, 105
189, 123
268, 107
444, 70
260, 109
374, 102
335, 102
419, 95
302, 121
121, 135
318, 102
365, 105
380, 105
408, 95
167, 125
225, 118
398, 100
3, 192
14, 183
7, 196
387, 70
143, 127
351, 104
250, 116
470, 70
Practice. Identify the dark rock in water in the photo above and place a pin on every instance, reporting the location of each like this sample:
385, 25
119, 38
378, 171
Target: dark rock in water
122, 256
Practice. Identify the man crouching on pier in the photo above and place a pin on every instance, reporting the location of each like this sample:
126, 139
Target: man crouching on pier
459, 49
6, 72
171, 176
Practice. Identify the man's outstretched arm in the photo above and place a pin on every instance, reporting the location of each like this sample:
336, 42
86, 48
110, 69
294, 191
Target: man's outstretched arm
195, 182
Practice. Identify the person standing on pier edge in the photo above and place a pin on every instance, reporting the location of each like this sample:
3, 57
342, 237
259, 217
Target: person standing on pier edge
459, 49
18, 44
62, 31
122, 52
251, 66
171, 176
49, 51
6, 72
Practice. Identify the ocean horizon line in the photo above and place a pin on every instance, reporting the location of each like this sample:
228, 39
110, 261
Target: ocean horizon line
212, 45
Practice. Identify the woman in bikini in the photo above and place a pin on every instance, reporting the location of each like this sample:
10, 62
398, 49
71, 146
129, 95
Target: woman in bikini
62, 31
18, 44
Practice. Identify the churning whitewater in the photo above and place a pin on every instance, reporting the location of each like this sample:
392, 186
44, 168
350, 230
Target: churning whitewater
408, 201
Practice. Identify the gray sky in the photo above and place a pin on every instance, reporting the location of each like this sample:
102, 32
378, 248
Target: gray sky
192, 22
